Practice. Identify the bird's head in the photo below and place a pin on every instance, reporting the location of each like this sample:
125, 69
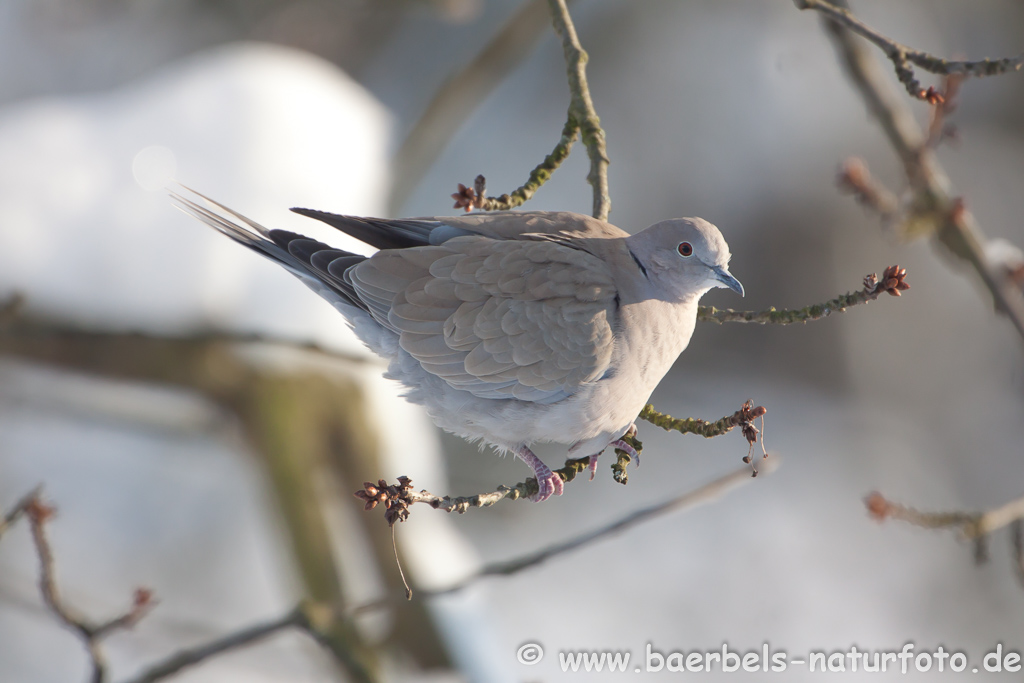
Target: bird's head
684, 256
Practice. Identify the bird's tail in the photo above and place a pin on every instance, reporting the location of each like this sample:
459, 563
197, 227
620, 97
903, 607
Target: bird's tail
319, 266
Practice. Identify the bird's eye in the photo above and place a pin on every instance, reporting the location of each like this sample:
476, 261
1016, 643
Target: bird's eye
685, 249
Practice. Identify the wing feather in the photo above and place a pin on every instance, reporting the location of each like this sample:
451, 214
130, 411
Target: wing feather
531, 320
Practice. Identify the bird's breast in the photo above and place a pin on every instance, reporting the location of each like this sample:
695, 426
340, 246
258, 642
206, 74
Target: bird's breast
652, 334
650, 337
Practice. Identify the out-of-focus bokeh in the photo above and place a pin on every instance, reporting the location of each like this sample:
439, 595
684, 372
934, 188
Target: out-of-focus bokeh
221, 475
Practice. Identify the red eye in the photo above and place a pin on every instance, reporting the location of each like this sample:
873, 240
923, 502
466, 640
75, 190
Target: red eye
685, 249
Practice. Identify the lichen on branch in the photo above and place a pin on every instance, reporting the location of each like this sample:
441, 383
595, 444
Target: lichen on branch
397, 498
470, 198
581, 120
893, 281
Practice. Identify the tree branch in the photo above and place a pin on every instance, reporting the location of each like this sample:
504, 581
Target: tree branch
460, 95
972, 526
246, 636
581, 108
893, 282
691, 499
934, 206
19, 509
582, 120
855, 178
397, 498
686, 501
900, 54
38, 514
691, 425
475, 198
312, 618
14, 324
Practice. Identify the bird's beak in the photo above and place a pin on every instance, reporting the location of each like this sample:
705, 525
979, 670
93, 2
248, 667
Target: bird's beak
727, 280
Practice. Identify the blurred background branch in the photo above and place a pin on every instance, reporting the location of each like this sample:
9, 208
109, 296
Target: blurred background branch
706, 493
317, 619
899, 54
935, 208
306, 426
868, 402
90, 633
972, 526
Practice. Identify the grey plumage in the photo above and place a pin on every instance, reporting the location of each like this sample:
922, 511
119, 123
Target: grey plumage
514, 327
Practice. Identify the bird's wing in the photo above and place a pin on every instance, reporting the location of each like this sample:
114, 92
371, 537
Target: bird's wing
516, 225
384, 233
500, 319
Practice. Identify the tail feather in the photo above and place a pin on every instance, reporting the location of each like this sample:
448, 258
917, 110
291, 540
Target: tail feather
378, 232
318, 265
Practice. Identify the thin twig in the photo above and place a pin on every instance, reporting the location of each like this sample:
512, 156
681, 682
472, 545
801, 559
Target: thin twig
397, 498
900, 54
461, 94
689, 500
581, 120
19, 509
971, 525
954, 226
309, 617
938, 129
1017, 545
470, 198
401, 572
38, 514
892, 281
301, 616
581, 108
998, 517
295, 618
855, 179
691, 425
881, 509
686, 501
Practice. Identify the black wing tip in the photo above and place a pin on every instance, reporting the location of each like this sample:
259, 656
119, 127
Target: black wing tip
310, 213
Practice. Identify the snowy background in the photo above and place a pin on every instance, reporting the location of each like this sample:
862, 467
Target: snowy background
733, 111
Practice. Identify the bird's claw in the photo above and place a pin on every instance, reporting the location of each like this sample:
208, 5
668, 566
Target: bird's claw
548, 483
629, 450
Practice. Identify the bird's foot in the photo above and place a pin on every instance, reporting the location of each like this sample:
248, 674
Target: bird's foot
548, 483
630, 451
592, 465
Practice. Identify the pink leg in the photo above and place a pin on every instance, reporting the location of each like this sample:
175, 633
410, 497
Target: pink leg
623, 446
548, 482
592, 465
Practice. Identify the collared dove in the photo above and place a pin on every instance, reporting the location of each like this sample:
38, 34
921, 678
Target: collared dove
511, 328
